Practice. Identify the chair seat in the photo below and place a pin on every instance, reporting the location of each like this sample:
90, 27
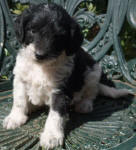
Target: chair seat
112, 125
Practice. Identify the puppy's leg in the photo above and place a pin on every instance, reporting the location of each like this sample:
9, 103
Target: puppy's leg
18, 114
113, 92
86, 104
53, 133
90, 89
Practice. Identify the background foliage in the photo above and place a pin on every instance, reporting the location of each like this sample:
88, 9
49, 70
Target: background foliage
128, 34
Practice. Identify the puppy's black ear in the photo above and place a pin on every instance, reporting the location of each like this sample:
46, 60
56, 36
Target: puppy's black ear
20, 24
76, 38
19, 29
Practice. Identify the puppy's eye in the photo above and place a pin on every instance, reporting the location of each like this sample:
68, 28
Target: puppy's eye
33, 31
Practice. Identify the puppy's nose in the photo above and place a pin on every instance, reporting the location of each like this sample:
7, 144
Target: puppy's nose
39, 57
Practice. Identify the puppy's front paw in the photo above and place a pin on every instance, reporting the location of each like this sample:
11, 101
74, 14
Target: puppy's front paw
14, 120
50, 139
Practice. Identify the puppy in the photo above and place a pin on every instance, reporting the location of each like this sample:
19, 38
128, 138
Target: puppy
52, 69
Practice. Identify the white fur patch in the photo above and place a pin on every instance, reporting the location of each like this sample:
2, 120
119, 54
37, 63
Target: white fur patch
34, 82
14, 119
52, 135
40, 79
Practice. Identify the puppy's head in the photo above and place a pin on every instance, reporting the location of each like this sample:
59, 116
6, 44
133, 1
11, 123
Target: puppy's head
50, 29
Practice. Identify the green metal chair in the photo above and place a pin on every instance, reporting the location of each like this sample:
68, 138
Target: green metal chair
112, 124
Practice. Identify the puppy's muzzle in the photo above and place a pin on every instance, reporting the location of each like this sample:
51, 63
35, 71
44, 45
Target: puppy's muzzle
40, 57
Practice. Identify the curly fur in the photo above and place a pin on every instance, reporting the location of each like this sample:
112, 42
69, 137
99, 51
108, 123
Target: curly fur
52, 69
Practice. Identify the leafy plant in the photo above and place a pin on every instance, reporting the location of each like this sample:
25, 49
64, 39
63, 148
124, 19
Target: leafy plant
128, 41
81, 10
18, 8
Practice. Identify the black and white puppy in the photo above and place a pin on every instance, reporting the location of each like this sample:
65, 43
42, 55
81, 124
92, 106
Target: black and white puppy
52, 69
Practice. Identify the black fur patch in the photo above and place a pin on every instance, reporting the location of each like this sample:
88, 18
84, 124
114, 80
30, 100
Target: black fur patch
50, 28
60, 103
104, 80
75, 82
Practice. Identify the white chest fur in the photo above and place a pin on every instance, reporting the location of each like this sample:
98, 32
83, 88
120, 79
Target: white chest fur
41, 79
38, 83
